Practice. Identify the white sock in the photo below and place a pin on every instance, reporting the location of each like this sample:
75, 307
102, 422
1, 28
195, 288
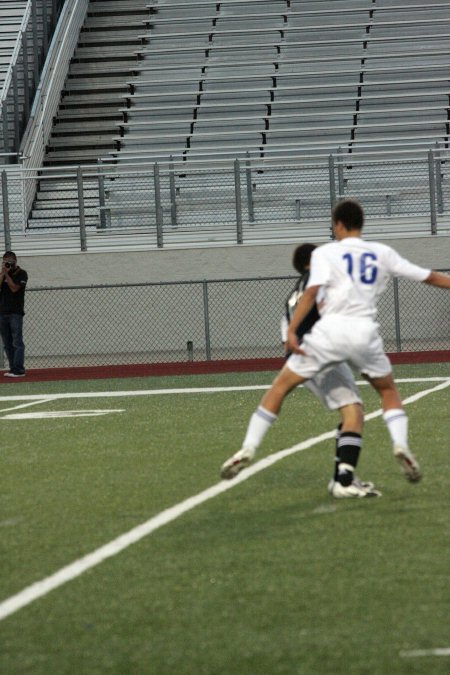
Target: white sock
397, 423
259, 425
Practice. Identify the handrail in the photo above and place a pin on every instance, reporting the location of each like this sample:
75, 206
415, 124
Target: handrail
50, 86
110, 163
16, 52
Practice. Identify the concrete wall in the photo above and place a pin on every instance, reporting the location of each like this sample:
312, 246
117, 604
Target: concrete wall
194, 264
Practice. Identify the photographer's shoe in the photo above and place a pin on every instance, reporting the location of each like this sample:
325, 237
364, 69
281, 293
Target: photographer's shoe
11, 373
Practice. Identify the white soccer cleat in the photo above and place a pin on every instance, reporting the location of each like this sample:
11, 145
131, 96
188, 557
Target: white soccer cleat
356, 489
410, 465
240, 460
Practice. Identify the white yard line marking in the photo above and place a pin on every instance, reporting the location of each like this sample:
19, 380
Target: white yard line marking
78, 567
58, 414
439, 651
192, 390
25, 405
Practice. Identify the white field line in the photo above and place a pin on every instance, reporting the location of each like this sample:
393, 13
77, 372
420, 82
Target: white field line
439, 651
25, 405
112, 548
59, 414
192, 390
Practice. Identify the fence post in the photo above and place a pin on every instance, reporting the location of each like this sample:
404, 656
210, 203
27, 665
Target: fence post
340, 173
398, 339
173, 195
332, 179
83, 240
158, 207
438, 175
5, 200
432, 186
248, 175
206, 319
101, 195
238, 200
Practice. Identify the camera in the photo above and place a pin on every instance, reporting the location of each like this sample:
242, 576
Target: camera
9, 265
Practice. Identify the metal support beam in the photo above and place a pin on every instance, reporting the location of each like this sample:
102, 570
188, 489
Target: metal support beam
206, 320
158, 207
238, 201
101, 196
248, 176
83, 238
173, 195
432, 186
398, 338
5, 201
340, 172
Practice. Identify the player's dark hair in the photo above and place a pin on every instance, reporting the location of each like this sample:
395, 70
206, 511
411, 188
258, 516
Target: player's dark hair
10, 254
350, 213
302, 257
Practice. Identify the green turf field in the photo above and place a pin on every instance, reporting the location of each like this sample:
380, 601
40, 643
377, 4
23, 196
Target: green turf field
271, 576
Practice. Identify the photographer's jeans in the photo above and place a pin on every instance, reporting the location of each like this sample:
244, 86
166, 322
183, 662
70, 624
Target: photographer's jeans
11, 326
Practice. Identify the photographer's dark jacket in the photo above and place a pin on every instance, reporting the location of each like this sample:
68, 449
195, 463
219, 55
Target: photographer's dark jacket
13, 303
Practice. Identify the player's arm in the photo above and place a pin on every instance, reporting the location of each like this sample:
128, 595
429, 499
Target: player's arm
305, 305
438, 279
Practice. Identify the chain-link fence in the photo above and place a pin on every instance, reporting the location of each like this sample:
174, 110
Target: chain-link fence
244, 201
198, 321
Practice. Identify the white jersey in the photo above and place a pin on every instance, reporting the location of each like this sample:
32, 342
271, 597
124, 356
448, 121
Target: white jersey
353, 273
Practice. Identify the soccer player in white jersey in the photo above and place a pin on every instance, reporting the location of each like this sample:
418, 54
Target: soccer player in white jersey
350, 275
335, 387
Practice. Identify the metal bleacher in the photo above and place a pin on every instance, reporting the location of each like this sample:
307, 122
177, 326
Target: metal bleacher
11, 15
263, 78
276, 82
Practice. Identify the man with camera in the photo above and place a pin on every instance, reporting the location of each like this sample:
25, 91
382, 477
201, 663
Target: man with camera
13, 281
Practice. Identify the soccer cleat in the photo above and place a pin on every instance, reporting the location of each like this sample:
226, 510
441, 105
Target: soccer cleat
365, 484
356, 489
410, 465
236, 463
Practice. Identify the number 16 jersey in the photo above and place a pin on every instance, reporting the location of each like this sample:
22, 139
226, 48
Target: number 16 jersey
353, 273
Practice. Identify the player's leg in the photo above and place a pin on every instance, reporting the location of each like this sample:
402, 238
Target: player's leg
335, 386
261, 421
371, 359
396, 421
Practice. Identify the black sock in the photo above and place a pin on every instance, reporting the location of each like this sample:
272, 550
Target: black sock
336, 458
349, 447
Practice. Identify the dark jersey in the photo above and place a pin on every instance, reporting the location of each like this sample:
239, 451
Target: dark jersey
291, 303
13, 303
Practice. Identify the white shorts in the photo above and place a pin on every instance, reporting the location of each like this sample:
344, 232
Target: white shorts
335, 386
334, 339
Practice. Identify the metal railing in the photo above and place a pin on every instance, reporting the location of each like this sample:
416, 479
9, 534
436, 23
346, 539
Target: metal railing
201, 321
22, 78
239, 202
48, 93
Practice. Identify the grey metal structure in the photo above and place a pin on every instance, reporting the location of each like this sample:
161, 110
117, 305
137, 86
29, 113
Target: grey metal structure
26, 30
160, 205
201, 320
